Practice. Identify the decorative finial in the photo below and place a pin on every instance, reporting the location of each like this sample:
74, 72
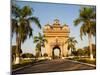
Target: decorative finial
56, 21
48, 22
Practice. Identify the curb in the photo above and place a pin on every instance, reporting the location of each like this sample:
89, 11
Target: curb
24, 66
82, 63
21, 67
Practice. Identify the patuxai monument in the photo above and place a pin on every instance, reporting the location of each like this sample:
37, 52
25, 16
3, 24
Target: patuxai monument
56, 35
51, 37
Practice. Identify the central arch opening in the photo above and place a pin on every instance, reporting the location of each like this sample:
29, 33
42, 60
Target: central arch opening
56, 52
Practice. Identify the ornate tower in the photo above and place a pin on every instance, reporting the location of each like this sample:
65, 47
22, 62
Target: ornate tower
56, 35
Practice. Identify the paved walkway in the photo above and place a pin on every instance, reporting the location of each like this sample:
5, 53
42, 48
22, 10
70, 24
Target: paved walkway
53, 66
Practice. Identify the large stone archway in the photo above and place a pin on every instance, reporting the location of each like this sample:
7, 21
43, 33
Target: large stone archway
54, 55
56, 36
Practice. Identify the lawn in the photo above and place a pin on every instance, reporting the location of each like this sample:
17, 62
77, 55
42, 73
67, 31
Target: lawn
85, 60
25, 63
22, 63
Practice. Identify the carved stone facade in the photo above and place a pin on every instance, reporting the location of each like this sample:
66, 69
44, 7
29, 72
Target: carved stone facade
56, 35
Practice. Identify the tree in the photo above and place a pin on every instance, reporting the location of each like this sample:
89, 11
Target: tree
37, 54
71, 43
87, 52
21, 25
75, 53
13, 53
40, 42
87, 19
81, 52
38, 50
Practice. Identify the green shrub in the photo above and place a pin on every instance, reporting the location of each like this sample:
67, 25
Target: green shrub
45, 55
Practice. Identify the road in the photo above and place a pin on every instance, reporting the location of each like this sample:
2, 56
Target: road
53, 66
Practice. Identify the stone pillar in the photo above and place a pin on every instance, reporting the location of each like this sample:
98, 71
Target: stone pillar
47, 49
65, 50
61, 54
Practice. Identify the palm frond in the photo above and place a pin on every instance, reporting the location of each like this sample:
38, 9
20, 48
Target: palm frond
35, 20
36, 39
86, 17
77, 21
71, 43
26, 11
14, 26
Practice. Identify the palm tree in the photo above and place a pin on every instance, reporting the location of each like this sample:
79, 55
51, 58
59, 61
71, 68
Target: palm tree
38, 50
13, 52
87, 19
21, 26
40, 42
71, 43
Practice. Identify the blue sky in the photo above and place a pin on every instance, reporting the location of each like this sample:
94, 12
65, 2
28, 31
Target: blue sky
47, 12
